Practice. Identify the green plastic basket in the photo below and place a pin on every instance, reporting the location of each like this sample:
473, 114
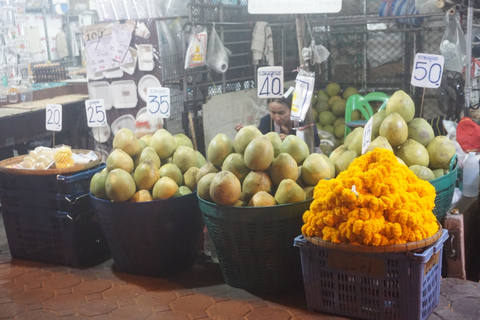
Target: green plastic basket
445, 187
254, 244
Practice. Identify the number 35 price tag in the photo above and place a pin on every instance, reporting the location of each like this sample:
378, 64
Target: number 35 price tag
96, 115
53, 120
427, 70
158, 103
270, 82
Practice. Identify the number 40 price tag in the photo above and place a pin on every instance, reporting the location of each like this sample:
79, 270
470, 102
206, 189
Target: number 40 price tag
53, 120
270, 82
158, 103
427, 70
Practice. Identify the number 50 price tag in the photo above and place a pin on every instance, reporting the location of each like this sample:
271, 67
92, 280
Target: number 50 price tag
158, 103
53, 120
427, 70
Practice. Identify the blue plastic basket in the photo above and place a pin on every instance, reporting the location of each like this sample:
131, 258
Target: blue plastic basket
395, 286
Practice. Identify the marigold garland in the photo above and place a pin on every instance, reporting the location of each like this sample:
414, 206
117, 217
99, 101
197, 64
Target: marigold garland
376, 201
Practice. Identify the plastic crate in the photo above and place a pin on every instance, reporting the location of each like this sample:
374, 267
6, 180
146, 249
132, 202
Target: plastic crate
445, 188
75, 184
154, 238
394, 286
55, 202
72, 239
254, 244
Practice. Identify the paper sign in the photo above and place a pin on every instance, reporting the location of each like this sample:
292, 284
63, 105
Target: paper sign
96, 115
53, 119
427, 70
270, 82
302, 96
158, 103
367, 135
291, 7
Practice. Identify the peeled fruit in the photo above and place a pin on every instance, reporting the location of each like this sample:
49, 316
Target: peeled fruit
190, 178
377, 120
438, 173
276, 142
289, 192
308, 191
412, 152
262, 199
165, 188
119, 159
355, 140
184, 190
315, 168
244, 136
338, 107
395, 129
344, 160
219, 148
182, 140
295, 147
401, 103
203, 186
441, 150
184, 158
379, 142
330, 165
235, 164
422, 172
149, 153
326, 117
421, 131
332, 89
97, 185
337, 152
283, 167
348, 92
172, 171
164, 143
259, 154
126, 140
146, 138
205, 169
200, 159
145, 175
254, 182
119, 185
141, 196
225, 188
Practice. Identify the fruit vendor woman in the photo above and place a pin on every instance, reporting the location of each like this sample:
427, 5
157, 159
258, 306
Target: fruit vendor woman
278, 120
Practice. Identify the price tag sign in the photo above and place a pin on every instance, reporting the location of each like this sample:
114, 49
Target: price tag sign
96, 114
297, 6
53, 119
427, 70
158, 103
367, 135
270, 82
302, 96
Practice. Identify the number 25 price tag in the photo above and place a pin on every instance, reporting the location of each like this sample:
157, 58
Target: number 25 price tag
270, 82
53, 120
427, 70
96, 115
158, 103
367, 135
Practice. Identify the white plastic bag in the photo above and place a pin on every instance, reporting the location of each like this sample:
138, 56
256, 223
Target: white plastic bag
453, 45
217, 54
197, 48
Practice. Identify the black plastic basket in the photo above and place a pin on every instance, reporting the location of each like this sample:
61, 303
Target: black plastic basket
55, 202
254, 244
154, 238
72, 239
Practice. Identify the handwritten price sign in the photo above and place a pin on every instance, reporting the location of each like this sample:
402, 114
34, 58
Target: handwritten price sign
367, 135
158, 104
270, 82
96, 114
427, 70
53, 120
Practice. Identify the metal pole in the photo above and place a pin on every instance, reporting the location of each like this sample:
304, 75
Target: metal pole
468, 76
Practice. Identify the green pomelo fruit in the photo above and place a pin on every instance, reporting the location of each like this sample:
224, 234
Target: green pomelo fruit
119, 159
149, 153
412, 152
422, 172
421, 131
164, 143
315, 168
182, 140
401, 103
344, 160
236, 165
203, 186
97, 185
219, 148
126, 140
259, 154
338, 107
172, 171
295, 147
225, 188
348, 92
165, 188
283, 167
184, 158
377, 120
379, 142
276, 142
119, 185
289, 192
146, 174
254, 182
332, 89
395, 129
244, 136
326, 117
441, 150
190, 178
205, 169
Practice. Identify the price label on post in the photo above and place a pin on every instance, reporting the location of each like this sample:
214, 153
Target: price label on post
53, 119
96, 114
158, 103
367, 135
270, 82
427, 70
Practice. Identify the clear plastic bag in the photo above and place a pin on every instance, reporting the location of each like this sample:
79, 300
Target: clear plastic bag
217, 54
453, 45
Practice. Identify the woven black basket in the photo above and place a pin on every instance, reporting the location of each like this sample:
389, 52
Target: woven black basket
154, 238
254, 244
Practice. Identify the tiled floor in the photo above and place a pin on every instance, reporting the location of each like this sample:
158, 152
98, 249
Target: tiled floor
39, 291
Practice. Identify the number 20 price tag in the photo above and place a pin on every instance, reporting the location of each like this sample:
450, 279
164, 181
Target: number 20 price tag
158, 103
53, 120
427, 70
96, 115
270, 82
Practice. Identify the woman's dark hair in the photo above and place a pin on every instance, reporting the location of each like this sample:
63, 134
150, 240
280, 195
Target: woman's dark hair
286, 101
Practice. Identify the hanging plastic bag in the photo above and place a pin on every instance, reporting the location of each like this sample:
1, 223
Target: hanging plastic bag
453, 45
197, 48
302, 95
217, 54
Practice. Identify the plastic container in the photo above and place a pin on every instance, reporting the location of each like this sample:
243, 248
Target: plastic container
25, 92
471, 176
154, 238
254, 244
124, 94
72, 239
360, 285
101, 90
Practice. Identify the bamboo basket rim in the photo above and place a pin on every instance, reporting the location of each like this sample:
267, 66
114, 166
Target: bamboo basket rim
394, 248
5, 165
